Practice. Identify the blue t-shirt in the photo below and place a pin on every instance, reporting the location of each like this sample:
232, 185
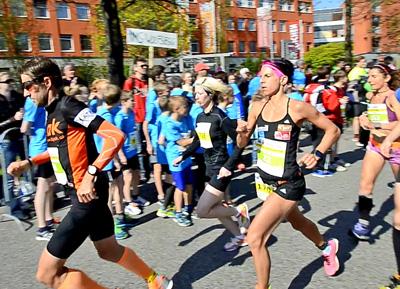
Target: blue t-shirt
296, 95
93, 105
153, 111
160, 149
254, 85
126, 123
151, 97
108, 115
37, 117
397, 93
173, 131
195, 110
237, 106
299, 78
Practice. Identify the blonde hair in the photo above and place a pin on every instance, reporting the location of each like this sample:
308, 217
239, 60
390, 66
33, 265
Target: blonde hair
175, 102
97, 84
80, 92
112, 94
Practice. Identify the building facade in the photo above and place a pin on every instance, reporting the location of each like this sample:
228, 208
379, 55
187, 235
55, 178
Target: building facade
376, 27
232, 26
47, 28
329, 26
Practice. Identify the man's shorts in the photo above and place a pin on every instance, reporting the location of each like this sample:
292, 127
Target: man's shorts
44, 171
183, 178
92, 219
132, 163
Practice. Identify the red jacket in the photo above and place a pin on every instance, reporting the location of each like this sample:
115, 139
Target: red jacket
139, 91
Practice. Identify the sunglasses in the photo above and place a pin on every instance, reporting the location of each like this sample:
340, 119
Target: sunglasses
28, 84
8, 81
144, 66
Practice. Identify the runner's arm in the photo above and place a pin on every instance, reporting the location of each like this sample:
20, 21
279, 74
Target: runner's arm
229, 127
245, 129
192, 147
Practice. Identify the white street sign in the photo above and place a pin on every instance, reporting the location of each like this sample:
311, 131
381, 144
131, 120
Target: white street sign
151, 38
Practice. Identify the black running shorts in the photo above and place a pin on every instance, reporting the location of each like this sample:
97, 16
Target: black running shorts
132, 163
92, 219
218, 183
44, 171
292, 190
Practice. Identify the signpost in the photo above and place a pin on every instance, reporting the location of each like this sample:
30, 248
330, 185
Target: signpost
151, 38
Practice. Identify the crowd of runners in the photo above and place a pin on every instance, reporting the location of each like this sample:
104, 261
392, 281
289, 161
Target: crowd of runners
100, 142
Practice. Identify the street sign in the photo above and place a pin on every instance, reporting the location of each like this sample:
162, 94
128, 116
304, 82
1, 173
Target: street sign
151, 38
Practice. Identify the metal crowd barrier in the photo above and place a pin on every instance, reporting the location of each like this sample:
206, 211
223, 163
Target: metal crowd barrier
8, 196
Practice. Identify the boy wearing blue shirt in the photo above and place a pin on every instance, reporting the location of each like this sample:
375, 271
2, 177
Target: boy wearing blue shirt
34, 124
177, 130
110, 107
128, 155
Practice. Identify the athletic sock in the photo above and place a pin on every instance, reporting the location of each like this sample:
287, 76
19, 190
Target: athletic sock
133, 263
396, 246
323, 246
364, 207
78, 279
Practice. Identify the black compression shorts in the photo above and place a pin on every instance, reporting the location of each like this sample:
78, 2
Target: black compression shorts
292, 190
219, 183
92, 219
132, 163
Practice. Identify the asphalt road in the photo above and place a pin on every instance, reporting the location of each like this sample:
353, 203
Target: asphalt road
194, 258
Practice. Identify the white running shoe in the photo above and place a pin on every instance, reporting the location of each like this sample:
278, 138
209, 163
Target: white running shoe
132, 210
243, 217
235, 243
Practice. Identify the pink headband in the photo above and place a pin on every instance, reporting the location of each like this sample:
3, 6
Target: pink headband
275, 69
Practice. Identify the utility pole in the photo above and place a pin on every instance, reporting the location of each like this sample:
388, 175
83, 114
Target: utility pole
348, 40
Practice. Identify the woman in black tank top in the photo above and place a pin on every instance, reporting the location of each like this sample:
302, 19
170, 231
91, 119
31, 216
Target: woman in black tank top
277, 121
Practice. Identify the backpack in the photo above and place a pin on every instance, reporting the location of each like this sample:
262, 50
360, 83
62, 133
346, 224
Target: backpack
313, 95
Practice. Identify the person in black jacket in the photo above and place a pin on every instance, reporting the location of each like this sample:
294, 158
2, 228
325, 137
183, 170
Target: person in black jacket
11, 114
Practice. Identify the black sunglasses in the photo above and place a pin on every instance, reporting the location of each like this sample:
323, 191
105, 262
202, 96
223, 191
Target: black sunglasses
8, 81
28, 84
144, 66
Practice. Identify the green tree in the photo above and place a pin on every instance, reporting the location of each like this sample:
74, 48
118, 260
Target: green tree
326, 54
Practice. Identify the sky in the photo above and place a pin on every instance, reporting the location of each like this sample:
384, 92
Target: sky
321, 4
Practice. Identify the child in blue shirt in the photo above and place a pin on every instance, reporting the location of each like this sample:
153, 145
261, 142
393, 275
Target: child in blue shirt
110, 107
177, 130
128, 155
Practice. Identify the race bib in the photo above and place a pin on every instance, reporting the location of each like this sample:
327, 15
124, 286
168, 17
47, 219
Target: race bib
59, 171
263, 190
203, 131
271, 157
377, 113
132, 141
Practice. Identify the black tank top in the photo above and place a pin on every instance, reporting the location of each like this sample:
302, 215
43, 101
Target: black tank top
277, 148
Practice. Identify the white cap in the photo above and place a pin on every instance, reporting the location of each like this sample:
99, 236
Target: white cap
244, 71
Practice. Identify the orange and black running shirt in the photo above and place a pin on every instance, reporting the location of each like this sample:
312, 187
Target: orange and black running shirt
70, 129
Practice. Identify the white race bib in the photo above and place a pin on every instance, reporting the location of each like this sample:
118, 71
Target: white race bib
271, 157
59, 171
377, 113
203, 131
263, 190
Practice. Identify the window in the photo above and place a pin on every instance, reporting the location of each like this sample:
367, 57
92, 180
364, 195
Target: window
45, 42
273, 25
245, 3
192, 20
63, 11
82, 11
230, 24
3, 43
241, 24
282, 26
231, 46
228, 3
375, 44
194, 47
23, 42
376, 20
253, 46
40, 9
376, 6
18, 8
252, 25
286, 5
309, 28
273, 47
242, 46
308, 46
66, 42
267, 3
304, 7
86, 43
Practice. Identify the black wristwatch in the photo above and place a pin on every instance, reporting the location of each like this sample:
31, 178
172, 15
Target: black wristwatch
319, 154
92, 170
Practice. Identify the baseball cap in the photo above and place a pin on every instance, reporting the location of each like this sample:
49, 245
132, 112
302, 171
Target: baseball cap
244, 70
201, 66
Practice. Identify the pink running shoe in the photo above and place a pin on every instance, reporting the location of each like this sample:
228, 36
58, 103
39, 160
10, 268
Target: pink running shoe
331, 262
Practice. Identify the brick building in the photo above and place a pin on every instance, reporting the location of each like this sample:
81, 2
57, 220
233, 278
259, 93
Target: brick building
376, 27
47, 28
235, 26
